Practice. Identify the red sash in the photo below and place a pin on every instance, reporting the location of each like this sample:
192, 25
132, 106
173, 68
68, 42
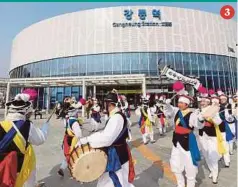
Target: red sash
131, 175
162, 120
8, 170
208, 124
181, 130
142, 126
66, 148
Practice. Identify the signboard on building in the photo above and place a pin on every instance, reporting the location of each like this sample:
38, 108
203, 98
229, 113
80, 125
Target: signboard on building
142, 14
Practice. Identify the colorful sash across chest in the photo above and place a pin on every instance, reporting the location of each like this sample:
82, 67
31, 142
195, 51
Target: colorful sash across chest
29, 163
69, 133
220, 147
145, 122
114, 164
193, 147
229, 135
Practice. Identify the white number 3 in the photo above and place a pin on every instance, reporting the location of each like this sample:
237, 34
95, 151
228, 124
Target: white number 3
227, 12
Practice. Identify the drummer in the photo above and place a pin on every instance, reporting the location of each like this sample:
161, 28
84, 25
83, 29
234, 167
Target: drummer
113, 140
73, 131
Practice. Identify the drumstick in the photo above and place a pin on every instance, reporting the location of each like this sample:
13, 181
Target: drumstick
174, 97
51, 114
114, 90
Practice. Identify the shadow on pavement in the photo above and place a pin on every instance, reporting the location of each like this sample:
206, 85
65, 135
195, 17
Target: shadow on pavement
54, 180
150, 176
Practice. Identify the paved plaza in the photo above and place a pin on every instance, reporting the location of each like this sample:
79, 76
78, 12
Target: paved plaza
151, 161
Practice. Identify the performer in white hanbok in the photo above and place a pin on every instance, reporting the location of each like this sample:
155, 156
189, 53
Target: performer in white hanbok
185, 153
224, 129
210, 136
234, 107
17, 135
228, 119
95, 115
113, 140
126, 111
160, 120
146, 120
73, 131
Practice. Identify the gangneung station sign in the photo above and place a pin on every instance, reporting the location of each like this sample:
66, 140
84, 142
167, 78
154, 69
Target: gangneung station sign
142, 14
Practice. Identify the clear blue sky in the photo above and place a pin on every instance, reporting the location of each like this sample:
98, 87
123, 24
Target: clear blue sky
16, 16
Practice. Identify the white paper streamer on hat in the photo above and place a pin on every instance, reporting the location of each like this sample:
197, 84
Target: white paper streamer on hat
23, 97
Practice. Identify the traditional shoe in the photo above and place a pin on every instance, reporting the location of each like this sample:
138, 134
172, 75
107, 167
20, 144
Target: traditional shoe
61, 173
145, 143
227, 166
231, 153
152, 141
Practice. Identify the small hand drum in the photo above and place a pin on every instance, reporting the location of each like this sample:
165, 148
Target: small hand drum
87, 164
210, 111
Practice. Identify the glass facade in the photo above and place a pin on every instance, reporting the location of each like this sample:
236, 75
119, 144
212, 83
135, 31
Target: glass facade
214, 71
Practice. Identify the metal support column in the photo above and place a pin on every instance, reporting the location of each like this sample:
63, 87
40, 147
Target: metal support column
48, 99
94, 91
84, 96
144, 87
7, 97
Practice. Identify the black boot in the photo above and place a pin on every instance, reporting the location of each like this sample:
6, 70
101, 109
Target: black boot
61, 173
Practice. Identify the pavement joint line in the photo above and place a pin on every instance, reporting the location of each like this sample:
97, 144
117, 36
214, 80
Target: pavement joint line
148, 154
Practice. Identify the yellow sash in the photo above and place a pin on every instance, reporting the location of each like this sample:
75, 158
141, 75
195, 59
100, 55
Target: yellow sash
220, 147
71, 134
29, 162
147, 121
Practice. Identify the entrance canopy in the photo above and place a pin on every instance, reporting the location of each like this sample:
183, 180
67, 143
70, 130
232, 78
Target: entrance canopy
78, 80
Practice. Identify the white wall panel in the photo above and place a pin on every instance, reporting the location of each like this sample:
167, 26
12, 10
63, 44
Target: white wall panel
91, 32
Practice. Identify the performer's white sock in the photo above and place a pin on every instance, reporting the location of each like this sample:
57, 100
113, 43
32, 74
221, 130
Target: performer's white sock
164, 129
151, 136
231, 145
227, 159
144, 138
160, 130
63, 165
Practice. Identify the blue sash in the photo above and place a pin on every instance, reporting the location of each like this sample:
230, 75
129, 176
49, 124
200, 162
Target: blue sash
8, 137
140, 120
229, 135
113, 163
193, 147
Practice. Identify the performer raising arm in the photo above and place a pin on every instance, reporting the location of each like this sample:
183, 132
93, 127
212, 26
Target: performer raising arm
185, 154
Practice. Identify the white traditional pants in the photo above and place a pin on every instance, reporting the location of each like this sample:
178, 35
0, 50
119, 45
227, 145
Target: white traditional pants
200, 143
64, 164
226, 156
122, 174
95, 124
231, 143
148, 132
180, 161
210, 153
31, 182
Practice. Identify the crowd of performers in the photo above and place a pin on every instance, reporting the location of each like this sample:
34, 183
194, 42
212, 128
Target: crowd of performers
215, 121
